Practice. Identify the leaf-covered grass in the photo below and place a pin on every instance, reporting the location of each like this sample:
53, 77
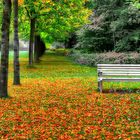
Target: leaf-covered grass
58, 101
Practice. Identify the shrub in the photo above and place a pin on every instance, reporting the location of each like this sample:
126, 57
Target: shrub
105, 58
61, 51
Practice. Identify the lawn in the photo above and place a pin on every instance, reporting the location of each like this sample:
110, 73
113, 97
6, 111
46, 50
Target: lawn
58, 100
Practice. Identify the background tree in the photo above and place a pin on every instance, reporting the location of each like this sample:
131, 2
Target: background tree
126, 28
5, 48
115, 26
39, 48
16, 45
1, 7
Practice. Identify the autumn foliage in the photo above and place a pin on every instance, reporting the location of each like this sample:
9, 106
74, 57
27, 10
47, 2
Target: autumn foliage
20, 2
59, 101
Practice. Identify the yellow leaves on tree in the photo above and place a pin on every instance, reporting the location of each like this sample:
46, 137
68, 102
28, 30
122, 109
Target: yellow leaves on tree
20, 2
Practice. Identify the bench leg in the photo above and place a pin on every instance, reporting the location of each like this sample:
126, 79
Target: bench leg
100, 86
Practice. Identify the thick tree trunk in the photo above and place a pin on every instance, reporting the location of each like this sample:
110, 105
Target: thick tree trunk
5, 48
71, 41
31, 43
42, 48
16, 46
39, 48
36, 48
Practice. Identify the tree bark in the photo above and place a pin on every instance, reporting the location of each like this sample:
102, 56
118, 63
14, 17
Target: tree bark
16, 46
36, 49
31, 43
5, 48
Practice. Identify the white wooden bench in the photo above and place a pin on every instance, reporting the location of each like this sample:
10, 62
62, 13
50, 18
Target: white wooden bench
117, 72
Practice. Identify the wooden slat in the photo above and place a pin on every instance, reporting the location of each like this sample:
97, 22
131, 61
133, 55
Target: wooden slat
113, 70
120, 79
118, 65
118, 68
124, 72
121, 74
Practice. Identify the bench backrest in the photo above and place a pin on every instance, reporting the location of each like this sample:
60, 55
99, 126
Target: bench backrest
118, 69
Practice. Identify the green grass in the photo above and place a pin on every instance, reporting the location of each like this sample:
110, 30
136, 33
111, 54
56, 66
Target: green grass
55, 66
23, 54
59, 66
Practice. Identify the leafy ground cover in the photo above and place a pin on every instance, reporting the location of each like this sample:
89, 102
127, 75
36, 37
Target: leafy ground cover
59, 100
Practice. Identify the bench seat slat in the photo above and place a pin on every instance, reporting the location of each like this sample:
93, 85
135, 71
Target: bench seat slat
120, 79
118, 65
119, 68
121, 74
137, 70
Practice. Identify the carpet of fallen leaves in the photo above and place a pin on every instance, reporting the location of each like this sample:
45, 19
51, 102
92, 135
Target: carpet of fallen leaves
58, 100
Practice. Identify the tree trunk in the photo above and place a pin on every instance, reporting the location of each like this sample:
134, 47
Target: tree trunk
5, 48
31, 43
16, 46
39, 48
36, 48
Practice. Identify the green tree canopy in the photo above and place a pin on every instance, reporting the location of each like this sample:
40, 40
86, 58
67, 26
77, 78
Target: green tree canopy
54, 19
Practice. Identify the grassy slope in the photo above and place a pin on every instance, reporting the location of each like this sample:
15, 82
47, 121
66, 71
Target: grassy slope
58, 100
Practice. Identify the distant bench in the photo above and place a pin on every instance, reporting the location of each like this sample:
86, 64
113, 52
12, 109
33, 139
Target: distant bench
117, 72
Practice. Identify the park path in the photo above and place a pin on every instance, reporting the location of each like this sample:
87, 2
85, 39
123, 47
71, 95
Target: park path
58, 66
